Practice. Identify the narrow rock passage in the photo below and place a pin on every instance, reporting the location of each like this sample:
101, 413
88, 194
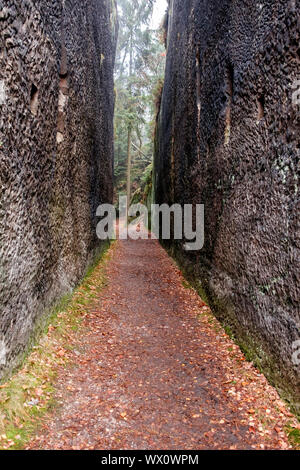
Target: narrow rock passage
156, 370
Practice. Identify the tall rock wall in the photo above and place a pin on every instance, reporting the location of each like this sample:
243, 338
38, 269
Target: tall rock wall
228, 137
56, 154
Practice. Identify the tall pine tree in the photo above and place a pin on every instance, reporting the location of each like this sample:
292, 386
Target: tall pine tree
139, 66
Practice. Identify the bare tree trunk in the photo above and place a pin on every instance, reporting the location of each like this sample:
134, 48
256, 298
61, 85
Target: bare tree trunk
129, 165
130, 125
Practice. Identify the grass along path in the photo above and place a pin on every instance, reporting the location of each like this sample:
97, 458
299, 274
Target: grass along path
29, 395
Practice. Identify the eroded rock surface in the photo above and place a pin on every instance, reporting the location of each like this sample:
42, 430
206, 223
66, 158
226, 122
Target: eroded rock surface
228, 137
56, 142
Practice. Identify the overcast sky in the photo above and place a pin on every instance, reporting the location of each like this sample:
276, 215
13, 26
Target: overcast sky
160, 7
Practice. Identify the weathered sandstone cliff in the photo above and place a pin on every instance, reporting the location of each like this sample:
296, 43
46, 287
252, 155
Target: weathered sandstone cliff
228, 137
56, 142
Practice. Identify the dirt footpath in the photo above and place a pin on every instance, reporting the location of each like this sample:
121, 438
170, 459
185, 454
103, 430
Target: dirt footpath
154, 370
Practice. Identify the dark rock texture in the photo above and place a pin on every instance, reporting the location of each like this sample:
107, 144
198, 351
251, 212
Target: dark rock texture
56, 154
228, 137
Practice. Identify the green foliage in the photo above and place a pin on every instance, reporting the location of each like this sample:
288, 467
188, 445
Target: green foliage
186, 284
139, 68
146, 177
294, 436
